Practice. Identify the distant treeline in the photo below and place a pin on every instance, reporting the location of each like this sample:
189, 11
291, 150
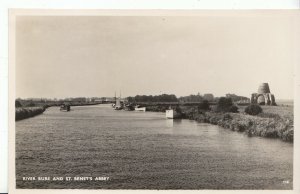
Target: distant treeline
158, 98
236, 98
186, 99
197, 98
170, 98
163, 98
45, 104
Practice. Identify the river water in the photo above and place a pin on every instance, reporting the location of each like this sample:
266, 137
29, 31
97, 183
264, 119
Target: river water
143, 150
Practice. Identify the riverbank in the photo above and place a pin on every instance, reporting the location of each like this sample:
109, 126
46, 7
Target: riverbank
252, 125
27, 112
274, 122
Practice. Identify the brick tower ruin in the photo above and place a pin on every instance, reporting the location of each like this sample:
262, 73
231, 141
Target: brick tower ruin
263, 96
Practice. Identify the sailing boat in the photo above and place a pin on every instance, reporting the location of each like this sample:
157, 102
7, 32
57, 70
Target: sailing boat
118, 105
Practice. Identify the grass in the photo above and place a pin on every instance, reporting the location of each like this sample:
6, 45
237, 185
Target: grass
282, 111
274, 122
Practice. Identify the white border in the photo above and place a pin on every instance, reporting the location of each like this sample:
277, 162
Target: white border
103, 4
13, 13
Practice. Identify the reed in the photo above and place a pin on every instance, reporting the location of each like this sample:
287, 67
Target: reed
262, 125
27, 112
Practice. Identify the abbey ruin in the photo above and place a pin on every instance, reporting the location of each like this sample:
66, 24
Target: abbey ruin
263, 96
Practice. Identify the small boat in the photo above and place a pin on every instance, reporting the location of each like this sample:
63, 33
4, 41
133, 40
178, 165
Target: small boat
65, 107
173, 114
128, 107
118, 105
138, 108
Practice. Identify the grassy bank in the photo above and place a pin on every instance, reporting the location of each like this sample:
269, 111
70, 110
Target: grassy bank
275, 127
274, 122
23, 113
27, 112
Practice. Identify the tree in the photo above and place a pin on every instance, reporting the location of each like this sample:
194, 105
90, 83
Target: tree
253, 109
208, 97
225, 105
191, 98
31, 104
233, 109
130, 99
159, 98
204, 105
18, 104
236, 98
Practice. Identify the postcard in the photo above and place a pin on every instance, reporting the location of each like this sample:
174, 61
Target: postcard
111, 100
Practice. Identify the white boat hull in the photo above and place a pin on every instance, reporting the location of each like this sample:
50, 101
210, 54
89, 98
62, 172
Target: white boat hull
172, 114
143, 109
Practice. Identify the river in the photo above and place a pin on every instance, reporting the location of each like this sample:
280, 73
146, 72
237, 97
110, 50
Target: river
144, 150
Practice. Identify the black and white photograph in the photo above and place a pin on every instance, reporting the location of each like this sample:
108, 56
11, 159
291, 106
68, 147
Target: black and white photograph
165, 100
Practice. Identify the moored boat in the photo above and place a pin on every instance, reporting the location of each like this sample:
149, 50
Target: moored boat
65, 107
138, 108
173, 113
128, 107
118, 105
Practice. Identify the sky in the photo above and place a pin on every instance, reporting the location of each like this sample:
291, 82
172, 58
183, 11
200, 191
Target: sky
76, 56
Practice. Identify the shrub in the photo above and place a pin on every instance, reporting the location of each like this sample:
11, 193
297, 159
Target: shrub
31, 104
233, 109
204, 105
178, 109
253, 109
224, 104
23, 113
18, 104
227, 116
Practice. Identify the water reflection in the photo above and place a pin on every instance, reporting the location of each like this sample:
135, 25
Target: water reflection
169, 123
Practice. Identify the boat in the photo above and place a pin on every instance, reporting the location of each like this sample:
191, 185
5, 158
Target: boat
118, 105
173, 113
128, 107
139, 108
65, 107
